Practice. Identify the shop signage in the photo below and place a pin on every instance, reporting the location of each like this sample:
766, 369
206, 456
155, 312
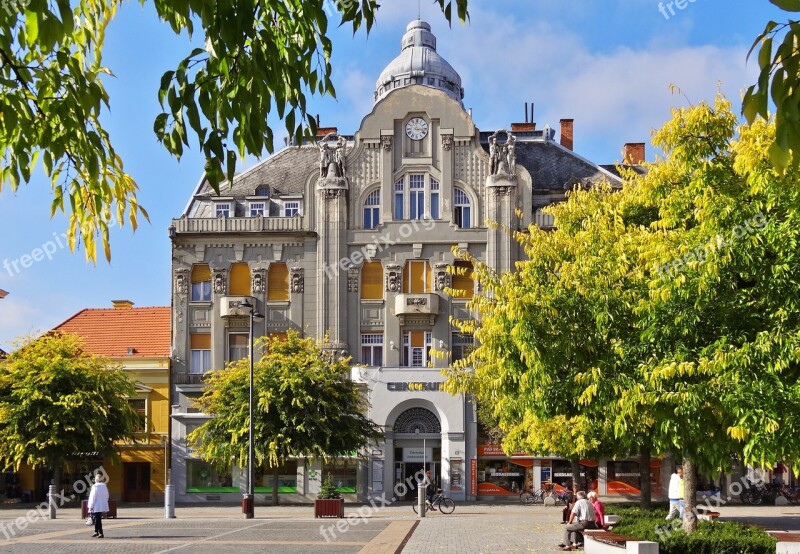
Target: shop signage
417, 455
473, 476
496, 450
414, 386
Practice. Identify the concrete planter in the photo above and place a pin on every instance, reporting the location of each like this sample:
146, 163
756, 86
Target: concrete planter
592, 546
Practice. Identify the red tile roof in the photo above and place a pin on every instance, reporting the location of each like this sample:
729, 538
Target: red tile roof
113, 331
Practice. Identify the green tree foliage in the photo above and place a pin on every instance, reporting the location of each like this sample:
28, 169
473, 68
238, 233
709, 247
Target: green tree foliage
261, 60
661, 315
778, 81
56, 400
305, 405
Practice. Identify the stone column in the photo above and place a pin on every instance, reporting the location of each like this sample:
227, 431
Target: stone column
331, 260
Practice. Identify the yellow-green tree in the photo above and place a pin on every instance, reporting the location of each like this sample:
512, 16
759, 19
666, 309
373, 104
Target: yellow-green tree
55, 400
661, 316
305, 405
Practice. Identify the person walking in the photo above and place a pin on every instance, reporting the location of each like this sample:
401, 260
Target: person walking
98, 504
675, 493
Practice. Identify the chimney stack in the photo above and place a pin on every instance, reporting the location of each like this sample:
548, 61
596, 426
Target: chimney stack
567, 136
122, 304
522, 127
633, 153
325, 131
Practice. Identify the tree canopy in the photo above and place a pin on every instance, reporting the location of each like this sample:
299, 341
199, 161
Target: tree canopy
56, 400
305, 405
664, 312
261, 61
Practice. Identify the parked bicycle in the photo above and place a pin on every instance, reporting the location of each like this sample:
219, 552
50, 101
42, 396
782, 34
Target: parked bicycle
440, 502
767, 493
529, 496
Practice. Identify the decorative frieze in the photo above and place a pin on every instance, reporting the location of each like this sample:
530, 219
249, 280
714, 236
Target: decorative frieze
442, 278
352, 279
447, 142
392, 277
181, 281
386, 142
220, 284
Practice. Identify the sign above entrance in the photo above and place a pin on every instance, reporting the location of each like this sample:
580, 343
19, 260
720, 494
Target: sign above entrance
417, 455
415, 386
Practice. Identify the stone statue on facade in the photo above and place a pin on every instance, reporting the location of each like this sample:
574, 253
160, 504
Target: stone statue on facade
502, 157
332, 158
219, 284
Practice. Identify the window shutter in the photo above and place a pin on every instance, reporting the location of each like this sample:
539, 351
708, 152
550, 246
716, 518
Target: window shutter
372, 281
463, 282
200, 273
239, 280
278, 283
201, 341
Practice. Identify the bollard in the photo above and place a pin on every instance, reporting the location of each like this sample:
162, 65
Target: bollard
169, 502
421, 500
51, 502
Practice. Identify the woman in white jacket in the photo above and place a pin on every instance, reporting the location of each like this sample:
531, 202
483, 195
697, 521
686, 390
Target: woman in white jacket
98, 504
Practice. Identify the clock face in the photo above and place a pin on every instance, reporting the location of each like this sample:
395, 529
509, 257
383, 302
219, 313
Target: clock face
416, 128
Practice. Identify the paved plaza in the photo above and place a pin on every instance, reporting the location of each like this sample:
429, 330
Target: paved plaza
474, 528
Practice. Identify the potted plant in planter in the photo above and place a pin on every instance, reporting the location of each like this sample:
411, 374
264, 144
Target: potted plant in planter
329, 502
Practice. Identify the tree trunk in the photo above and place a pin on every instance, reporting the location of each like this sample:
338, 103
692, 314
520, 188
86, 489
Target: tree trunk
576, 474
57, 470
690, 494
644, 475
275, 480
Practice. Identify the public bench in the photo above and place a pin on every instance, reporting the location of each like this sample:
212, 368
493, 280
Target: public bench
706, 514
788, 543
598, 541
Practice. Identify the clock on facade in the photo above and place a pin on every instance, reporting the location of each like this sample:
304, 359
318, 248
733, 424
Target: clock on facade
416, 128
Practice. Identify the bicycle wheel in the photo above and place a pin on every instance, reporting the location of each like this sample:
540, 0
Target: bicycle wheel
793, 497
447, 506
526, 498
414, 507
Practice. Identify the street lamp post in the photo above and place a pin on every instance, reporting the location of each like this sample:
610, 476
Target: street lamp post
248, 502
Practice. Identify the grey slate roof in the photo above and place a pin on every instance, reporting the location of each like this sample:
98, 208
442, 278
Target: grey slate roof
286, 172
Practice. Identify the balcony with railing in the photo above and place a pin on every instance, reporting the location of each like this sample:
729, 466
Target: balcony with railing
191, 225
416, 306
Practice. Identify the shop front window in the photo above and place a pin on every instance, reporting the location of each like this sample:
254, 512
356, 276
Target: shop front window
343, 472
503, 477
287, 478
203, 477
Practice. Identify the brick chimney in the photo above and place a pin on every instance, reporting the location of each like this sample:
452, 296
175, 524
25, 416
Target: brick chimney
567, 137
122, 304
522, 127
325, 131
633, 153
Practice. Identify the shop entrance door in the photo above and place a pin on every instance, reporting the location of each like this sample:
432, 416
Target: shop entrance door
137, 482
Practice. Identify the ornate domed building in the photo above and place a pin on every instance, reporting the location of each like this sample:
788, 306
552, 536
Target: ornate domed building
352, 237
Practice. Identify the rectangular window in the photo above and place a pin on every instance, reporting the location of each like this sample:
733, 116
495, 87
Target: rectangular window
258, 209
372, 281
201, 283
223, 210
417, 348
343, 473
417, 195
278, 282
434, 199
372, 349
205, 478
463, 343
238, 344
139, 405
416, 277
399, 198
463, 281
287, 478
291, 209
200, 361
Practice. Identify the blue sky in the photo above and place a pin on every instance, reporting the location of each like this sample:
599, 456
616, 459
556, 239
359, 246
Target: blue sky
608, 64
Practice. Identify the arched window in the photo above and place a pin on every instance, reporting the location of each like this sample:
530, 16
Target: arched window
416, 420
462, 211
372, 209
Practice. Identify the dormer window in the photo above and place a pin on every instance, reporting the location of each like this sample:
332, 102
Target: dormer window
258, 209
263, 190
291, 209
223, 209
